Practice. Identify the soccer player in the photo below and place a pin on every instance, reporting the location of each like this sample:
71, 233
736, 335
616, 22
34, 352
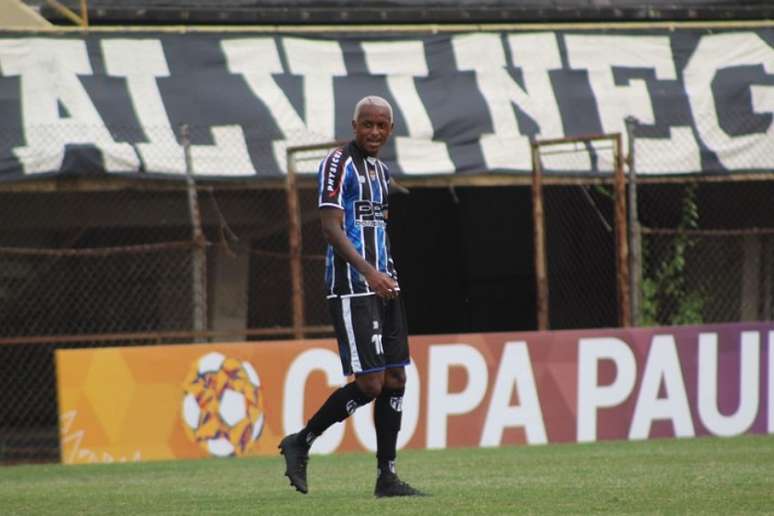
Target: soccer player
363, 296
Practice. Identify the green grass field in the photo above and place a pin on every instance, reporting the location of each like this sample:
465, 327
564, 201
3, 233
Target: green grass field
706, 475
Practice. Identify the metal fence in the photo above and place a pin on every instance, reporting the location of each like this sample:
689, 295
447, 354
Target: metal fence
108, 260
131, 268
581, 244
705, 244
111, 261
707, 252
699, 248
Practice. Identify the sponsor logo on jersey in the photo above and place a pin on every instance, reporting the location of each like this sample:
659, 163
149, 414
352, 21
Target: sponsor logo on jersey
332, 168
369, 214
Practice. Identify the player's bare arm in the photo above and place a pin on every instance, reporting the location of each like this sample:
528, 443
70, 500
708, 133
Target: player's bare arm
331, 220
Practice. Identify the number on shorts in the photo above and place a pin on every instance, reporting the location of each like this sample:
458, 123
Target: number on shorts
376, 339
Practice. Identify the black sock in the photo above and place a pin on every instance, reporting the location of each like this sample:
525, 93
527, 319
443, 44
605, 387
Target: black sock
388, 411
338, 407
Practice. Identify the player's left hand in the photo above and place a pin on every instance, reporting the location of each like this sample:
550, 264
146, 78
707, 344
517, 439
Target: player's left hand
383, 285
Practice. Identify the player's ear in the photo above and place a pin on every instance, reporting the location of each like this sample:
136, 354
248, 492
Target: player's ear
354, 126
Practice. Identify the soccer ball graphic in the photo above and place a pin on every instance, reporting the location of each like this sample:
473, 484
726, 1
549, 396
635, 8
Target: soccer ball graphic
223, 405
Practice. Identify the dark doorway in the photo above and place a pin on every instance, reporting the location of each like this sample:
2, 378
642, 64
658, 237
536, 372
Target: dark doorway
464, 257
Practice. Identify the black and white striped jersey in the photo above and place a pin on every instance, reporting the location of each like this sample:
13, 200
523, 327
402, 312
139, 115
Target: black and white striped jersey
358, 184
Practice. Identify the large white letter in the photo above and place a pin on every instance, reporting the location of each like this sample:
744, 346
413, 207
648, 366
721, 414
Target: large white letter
515, 372
141, 62
401, 62
592, 396
256, 59
599, 54
715, 52
49, 70
740, 421
536, 54
663, 364
364, 418
293, 396
440, 402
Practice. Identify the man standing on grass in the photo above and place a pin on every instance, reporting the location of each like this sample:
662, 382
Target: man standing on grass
363, 296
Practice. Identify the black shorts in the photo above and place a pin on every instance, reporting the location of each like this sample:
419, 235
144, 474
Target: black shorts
372, 333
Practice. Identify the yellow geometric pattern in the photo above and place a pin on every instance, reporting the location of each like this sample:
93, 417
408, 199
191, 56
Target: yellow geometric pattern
110, 389
126, 404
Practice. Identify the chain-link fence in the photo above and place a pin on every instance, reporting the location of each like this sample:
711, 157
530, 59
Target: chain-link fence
111, 260
703, 245
580, 232
699, 248
707, 251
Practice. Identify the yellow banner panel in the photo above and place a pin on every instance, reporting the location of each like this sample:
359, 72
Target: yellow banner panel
181, 401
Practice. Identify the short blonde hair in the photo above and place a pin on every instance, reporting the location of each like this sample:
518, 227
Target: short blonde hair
372, 100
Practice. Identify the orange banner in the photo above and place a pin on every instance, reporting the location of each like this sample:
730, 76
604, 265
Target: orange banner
166, 402
202, 400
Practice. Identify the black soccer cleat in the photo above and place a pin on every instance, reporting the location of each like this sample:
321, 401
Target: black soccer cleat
296, 457
388, 484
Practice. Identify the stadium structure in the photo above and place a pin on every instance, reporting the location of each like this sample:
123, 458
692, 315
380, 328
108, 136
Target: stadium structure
559, 165
168, 12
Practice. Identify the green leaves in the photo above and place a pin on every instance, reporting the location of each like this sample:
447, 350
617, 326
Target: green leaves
666, 297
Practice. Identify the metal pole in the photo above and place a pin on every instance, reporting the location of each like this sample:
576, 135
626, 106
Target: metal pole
199, 270
621, 236
68, 13
635, 233
84, 14
541, 277
294, 244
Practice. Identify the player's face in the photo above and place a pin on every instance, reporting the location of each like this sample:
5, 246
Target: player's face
372, 128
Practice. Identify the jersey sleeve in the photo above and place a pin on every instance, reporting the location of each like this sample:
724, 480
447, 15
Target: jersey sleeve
330, 178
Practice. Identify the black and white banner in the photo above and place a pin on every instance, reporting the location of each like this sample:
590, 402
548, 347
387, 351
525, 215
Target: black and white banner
465, 103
